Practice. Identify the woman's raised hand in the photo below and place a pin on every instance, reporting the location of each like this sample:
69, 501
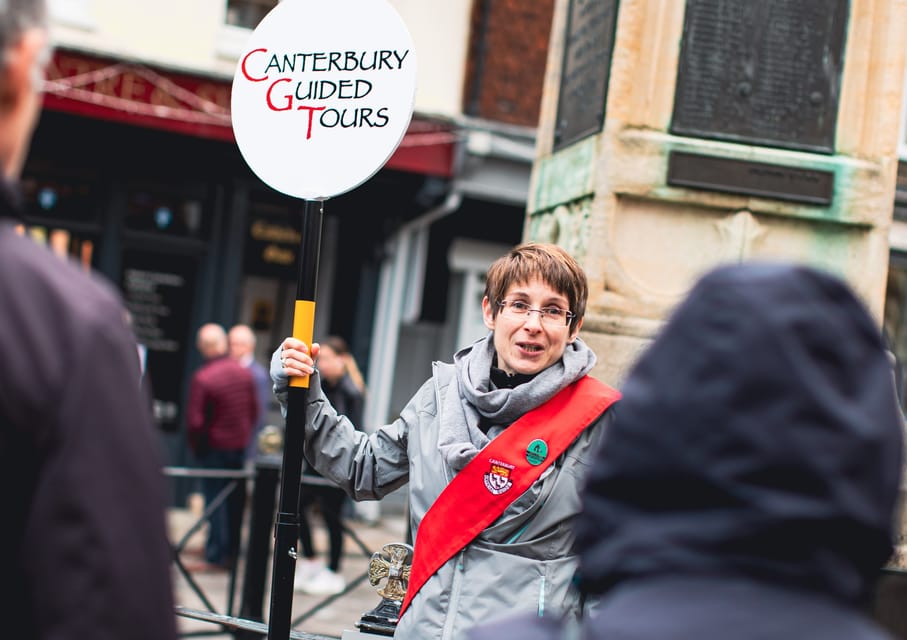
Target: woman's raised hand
296, 358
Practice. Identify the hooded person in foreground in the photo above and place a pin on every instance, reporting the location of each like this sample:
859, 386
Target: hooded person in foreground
747, 487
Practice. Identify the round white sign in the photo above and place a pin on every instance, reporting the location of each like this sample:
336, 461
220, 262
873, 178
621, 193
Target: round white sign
323, 94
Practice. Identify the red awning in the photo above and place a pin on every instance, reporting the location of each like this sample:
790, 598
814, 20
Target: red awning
138, 95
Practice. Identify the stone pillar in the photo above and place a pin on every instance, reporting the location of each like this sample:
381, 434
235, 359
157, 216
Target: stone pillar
650, 169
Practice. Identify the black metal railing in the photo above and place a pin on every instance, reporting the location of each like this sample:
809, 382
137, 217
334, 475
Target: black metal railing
255, 555
236, 477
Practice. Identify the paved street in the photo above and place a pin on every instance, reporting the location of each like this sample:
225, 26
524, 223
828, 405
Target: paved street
315, 615
340, 613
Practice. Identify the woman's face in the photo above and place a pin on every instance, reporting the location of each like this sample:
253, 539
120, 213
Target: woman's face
330, 364
527, 344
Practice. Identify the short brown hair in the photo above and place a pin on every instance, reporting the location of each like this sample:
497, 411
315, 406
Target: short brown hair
547, 262
337, 344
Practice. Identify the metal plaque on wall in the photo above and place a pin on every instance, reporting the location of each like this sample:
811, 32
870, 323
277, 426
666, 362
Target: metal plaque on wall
748, 177
766, 72
586, 67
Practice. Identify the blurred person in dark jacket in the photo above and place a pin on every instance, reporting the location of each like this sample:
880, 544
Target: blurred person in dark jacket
242, 349
747, 487
83, 546
220, 415
312, 575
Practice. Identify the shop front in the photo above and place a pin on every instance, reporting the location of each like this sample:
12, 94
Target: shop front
134, 174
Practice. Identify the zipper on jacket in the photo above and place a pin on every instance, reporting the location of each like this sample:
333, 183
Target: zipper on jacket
542, 597
516, 536
453, 607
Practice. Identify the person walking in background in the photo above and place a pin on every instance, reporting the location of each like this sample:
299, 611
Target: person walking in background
748, 486
83, 546
312, 576
493, 447
142, 352
242, 349
363, 511
222, 409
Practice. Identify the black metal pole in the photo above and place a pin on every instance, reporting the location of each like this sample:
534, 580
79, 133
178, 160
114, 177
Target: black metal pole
286, 531
260, 528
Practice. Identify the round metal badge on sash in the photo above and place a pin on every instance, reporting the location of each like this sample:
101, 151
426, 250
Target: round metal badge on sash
536, 452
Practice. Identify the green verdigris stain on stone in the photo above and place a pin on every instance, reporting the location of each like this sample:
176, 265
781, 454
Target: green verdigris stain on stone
852, 192
845, 209
835, 248
566, 225
565, 175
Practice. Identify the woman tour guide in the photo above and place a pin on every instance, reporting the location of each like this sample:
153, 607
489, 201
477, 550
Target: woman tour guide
494, 447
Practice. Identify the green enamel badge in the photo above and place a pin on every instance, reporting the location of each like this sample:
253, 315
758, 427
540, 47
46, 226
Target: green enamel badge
536, 452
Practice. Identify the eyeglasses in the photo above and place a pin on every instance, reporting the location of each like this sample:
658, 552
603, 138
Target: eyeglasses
548, 315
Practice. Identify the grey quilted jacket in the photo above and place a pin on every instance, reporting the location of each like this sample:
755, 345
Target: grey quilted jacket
523, 561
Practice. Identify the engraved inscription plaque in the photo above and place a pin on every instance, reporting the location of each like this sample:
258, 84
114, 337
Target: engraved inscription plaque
764, 72
746, 177
586, 67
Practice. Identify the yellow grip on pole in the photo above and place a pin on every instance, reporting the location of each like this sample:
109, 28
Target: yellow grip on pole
303, 329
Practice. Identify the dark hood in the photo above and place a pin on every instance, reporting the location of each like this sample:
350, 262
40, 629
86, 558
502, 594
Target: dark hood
759, 435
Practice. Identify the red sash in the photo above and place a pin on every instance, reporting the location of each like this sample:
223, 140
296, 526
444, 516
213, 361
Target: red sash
501, 472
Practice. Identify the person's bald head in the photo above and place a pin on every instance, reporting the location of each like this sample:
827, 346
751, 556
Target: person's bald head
242, 342
211, 341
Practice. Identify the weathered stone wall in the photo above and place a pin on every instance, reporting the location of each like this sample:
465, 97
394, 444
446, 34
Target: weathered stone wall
643, 242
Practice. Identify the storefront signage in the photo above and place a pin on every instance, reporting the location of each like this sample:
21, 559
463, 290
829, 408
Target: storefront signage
157, 290
272, 246
323, 94
135, 94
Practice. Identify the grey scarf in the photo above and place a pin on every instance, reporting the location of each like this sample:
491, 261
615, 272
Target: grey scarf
459, 436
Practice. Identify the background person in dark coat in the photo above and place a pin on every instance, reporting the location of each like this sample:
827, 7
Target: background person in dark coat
242, 349
747, 487
312, 576
83, 544
220, 415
